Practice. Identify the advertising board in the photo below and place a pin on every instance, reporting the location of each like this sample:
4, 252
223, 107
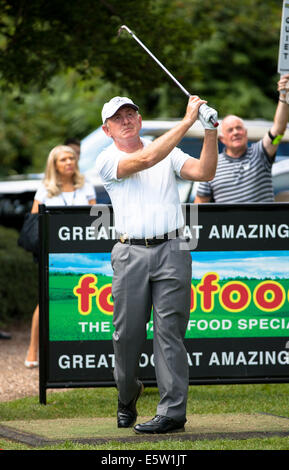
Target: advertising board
238, 329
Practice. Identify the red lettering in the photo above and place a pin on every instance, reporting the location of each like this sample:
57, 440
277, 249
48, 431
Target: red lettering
104, 300
235, 296
84, 293
269, 295
208, 288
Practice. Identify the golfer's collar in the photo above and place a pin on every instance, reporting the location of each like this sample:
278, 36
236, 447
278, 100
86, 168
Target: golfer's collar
229, 158
144, 142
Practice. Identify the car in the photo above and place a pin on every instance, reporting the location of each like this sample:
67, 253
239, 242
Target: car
95, 142
280, 176
17, 192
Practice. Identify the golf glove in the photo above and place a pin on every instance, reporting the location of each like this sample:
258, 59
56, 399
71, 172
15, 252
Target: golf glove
208, 116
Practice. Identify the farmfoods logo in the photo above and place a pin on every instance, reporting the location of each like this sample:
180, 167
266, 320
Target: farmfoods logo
234, 296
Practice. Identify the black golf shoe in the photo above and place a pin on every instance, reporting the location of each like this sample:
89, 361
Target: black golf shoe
160, 425
127, 414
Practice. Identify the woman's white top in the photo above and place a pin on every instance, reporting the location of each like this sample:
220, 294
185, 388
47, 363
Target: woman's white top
78, 197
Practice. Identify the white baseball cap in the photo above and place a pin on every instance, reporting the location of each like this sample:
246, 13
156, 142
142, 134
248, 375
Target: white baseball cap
111, 107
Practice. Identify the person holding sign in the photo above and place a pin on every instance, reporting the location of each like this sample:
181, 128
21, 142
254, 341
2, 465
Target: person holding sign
151, 262
243, 173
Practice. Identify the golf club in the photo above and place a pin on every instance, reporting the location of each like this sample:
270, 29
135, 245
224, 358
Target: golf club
203, 107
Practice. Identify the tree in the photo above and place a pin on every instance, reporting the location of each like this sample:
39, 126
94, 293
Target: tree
224, 51
41, 38
32, 125
233, 54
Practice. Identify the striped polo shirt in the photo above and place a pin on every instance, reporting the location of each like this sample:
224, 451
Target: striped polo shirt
243, 179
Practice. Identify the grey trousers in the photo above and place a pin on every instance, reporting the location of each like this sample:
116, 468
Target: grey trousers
160, 277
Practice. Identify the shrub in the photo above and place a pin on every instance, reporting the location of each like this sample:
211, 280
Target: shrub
18, 278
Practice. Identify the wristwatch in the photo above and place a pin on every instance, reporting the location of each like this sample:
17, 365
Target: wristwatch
275, 139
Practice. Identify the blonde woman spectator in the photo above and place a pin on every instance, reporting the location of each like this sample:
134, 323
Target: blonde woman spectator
63, 185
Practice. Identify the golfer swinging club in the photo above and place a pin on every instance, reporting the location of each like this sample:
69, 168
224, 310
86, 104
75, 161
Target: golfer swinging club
150, 268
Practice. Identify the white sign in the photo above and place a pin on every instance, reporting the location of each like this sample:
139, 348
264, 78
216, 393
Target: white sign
283, 62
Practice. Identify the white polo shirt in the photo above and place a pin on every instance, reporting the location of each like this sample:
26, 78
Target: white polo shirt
146, 203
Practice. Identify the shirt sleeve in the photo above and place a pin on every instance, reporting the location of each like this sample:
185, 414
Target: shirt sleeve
178, 158
106, 165
41, 193
268, 161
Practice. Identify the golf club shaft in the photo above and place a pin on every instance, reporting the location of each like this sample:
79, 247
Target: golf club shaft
215, 124
156, 60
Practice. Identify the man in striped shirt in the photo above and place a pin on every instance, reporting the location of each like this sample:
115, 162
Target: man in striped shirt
244, 173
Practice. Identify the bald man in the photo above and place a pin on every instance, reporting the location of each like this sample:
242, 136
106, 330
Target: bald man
244, 173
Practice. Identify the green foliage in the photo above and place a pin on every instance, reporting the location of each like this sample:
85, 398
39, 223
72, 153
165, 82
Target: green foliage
59, 61
18, 279
32, 125
39, 39
233, 54
198, 41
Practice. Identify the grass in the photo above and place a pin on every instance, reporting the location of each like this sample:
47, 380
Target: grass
101, 402
206, 445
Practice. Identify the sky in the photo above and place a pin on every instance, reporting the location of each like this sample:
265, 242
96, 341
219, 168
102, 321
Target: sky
257, 264
81, 263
